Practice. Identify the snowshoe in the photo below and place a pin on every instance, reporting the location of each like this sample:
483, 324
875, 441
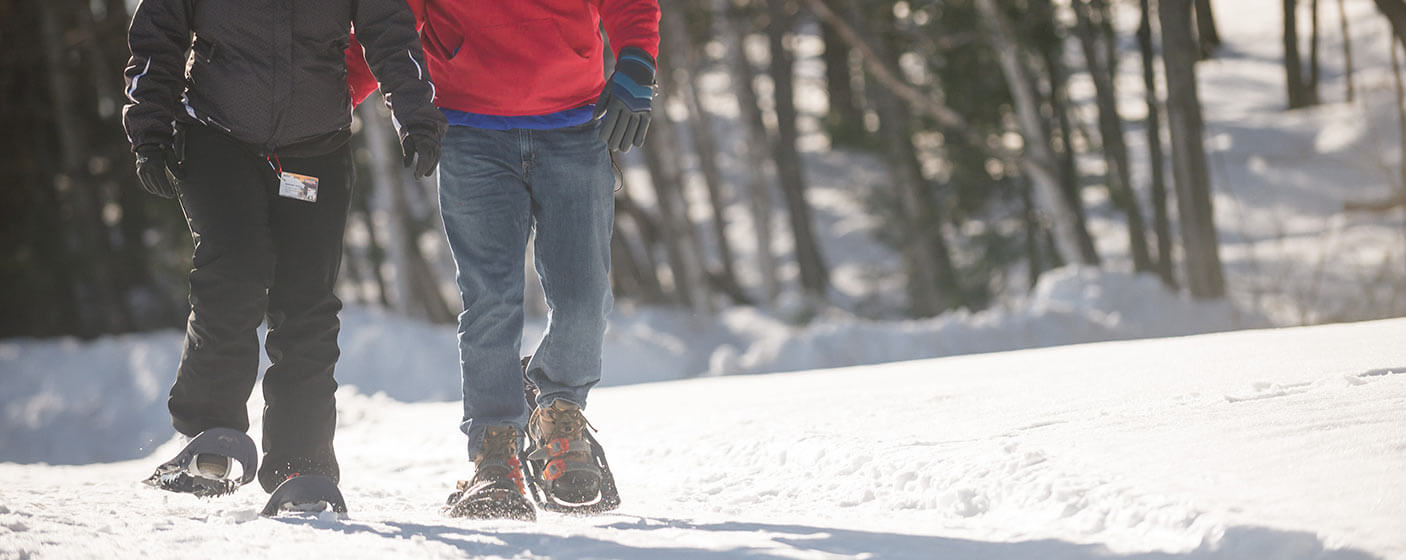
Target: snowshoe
566, 468
307, 493
496, 490
606, 498
203, 466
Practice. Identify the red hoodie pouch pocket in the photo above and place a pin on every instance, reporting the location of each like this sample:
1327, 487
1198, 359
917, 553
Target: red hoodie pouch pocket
441, 41
524, 60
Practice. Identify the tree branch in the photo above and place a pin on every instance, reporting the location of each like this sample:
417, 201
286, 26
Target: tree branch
887, 76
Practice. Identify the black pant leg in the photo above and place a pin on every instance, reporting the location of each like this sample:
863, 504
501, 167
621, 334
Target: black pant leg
300, 413
224, 196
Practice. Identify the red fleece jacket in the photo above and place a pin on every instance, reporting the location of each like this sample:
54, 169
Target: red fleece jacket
519, 57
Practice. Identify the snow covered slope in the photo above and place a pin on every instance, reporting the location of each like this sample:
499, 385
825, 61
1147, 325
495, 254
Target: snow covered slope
110, 394
1282, 444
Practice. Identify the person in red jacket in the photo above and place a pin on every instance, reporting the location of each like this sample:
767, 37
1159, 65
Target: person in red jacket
533, 121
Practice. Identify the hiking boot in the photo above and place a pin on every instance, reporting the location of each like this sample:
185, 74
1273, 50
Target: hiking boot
496, 490
569, 473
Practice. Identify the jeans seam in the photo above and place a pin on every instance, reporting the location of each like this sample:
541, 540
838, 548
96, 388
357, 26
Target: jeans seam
529, 156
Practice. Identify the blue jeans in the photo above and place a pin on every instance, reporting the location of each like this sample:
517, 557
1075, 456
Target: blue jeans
495, 187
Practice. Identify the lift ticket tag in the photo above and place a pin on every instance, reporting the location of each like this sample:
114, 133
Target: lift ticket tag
295, 186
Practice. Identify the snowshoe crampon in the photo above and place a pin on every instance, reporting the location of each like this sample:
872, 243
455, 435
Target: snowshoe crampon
184, 474
500, 499
305, 494
606, 499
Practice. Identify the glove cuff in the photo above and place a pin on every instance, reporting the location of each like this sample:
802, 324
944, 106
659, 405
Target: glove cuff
150, 149
637, 64
422, 131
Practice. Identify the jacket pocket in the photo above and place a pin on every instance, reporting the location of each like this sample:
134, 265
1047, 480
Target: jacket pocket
579, 46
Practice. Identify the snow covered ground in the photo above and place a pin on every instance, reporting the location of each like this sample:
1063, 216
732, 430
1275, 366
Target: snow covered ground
1280, 444
66, 402
1274, 444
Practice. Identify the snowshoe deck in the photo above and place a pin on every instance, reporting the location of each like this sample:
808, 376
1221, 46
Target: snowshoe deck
179, 474
306, 494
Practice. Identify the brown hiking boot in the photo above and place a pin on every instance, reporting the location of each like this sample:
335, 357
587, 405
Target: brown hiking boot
570, 474
496, 490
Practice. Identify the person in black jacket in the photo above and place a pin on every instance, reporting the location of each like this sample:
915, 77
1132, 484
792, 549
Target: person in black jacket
242, 110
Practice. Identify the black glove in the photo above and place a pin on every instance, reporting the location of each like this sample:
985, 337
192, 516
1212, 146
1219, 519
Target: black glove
424, 145
158, 169
626, 100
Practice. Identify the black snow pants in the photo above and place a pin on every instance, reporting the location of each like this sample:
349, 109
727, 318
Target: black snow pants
261, 255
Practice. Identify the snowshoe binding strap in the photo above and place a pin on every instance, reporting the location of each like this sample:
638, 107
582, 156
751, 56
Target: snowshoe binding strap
539, 477
528, 388
305, 493
181, 475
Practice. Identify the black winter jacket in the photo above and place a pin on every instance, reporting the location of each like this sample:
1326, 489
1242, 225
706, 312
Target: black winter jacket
270, 73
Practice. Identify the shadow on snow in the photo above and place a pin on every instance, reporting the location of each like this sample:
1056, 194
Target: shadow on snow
779, 541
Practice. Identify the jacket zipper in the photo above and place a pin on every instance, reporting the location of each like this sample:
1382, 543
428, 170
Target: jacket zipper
283, 70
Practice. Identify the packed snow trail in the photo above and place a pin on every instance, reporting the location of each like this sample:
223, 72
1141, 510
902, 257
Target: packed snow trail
1281, 444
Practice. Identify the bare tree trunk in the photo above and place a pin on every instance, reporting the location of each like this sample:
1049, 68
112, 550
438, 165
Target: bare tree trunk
846, 117
1068, 163
375, 251
42, 301
625, 271
416, 288
1293, 64
103, 310
1401, 111
751, 147
685, 72
1107, 35
1347, 51
789, 167
1034, 232
681, 241
1039, 161
1115, 147
1060, 104
641, 245
633, 268
1313, 66
1162, 223
1193, 184
931, 277
754, 139
1206, 29
1395, 11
